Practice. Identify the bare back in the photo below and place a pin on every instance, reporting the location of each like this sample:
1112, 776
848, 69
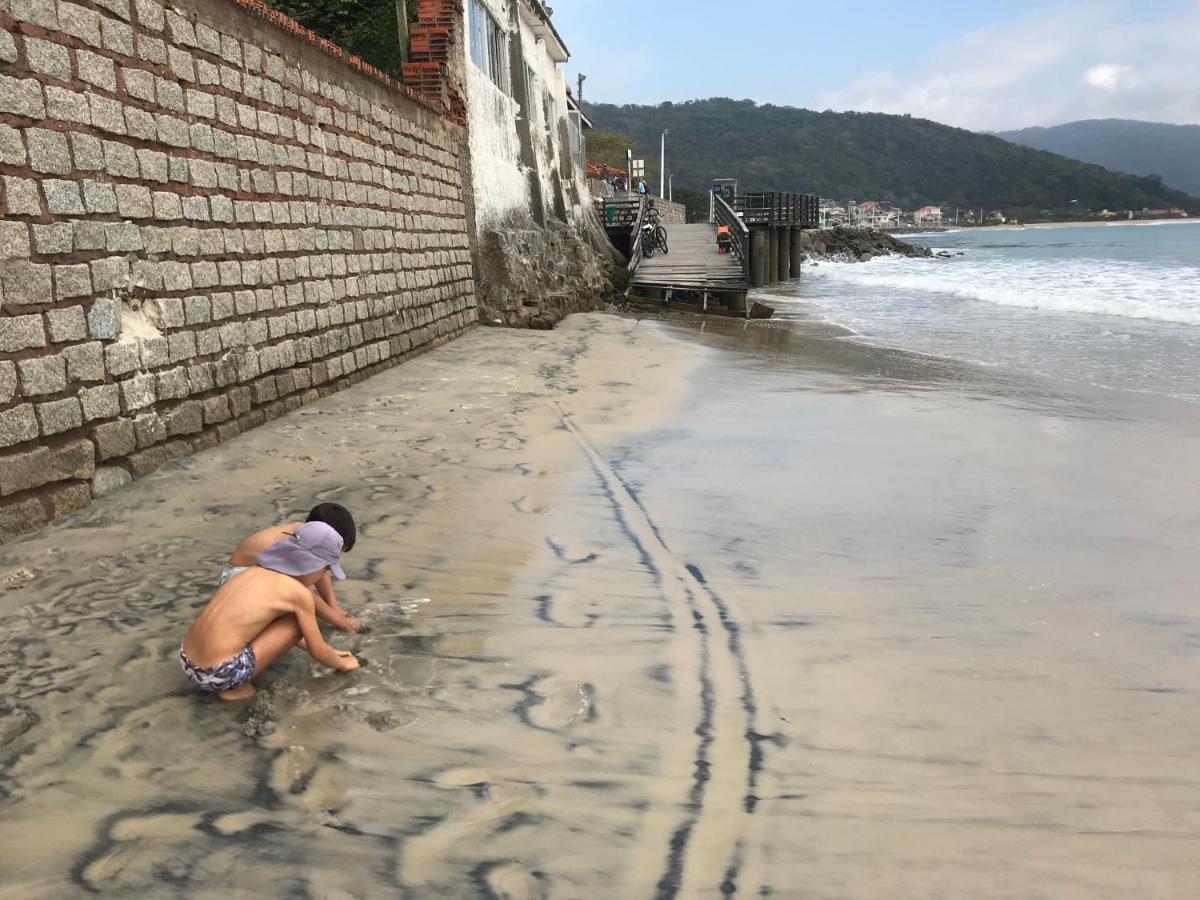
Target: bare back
240, 610
248, 550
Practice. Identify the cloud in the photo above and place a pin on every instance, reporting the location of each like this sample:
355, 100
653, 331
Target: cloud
1085, 60
1108, 76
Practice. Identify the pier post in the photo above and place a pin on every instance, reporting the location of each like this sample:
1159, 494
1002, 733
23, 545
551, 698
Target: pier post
758, 257
785, 252
773, 255
797, 250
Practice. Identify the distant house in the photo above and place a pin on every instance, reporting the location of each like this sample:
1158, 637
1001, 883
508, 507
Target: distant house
928, 215
996, 217
830, 213
967, 217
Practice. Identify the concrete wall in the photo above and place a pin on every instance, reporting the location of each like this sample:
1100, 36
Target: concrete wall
207, 220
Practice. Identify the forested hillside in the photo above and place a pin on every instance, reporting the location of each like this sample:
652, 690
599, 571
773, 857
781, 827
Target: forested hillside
850, 155
1124, 145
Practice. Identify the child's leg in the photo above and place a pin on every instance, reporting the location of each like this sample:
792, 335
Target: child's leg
272, 642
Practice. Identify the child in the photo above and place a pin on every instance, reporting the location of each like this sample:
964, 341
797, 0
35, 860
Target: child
333, 514
254, 619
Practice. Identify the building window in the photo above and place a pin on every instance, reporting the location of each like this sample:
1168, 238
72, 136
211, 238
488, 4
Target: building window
489, 44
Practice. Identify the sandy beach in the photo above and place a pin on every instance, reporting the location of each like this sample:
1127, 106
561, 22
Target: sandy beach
655, 609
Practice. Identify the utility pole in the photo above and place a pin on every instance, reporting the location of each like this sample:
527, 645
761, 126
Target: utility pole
671, 187
579, 96
402, 28
662, 167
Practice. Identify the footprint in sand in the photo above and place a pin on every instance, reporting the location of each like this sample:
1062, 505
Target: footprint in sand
530, 504
569, 551
530, 472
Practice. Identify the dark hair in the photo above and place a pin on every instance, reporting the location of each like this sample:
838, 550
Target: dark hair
339, 519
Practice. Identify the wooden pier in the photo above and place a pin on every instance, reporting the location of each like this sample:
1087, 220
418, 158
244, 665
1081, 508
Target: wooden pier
764, 248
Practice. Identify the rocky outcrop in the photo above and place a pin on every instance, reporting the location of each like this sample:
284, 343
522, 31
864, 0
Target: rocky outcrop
533, 277
856, 244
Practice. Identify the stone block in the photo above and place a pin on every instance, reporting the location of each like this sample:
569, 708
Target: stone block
241, 399
216, 410
186, 418
137, 393
22, 97
42, 375
12, 148
151, 49
196, 310
44, 465
72, 281
196, 209
108, 479
174, 132
200, 378
133, 201
114, 439
139, 84
149, 430
173, 384
117, 37
167, 206
155, 352
151, 14
8, 381
24, 282
104, 319
17, 424
146, 461
85, 362
48, 150
120, 160
182, 345
141, 124
110, 273
80, 22
97, 70
67, 323
20, 518
89, 235
123, 237
68, 499
21, 197
107, 115
153, 165
176, 276
67, 106
57, 416
99, 198
21, 333
57, 237
14, 240
165, 313
48, 58
100, 402
63, 197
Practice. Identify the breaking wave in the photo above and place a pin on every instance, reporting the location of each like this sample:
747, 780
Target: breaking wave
1091, 286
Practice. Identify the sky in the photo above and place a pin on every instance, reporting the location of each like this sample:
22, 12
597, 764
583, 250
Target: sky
986, 65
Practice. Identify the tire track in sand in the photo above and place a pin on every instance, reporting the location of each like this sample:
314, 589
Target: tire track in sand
694, 841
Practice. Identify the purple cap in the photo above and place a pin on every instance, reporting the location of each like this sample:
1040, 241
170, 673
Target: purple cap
311, 547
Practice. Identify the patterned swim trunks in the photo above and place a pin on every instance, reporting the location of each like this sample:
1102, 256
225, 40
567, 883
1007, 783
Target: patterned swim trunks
226, 676
229, 571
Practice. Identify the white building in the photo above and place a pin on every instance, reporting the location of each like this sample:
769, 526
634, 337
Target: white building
928, 215
525, 134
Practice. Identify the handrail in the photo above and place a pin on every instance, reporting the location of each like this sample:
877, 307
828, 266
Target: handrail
635, 238
739, 233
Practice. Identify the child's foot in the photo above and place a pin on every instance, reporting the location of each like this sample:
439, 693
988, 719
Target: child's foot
244, 692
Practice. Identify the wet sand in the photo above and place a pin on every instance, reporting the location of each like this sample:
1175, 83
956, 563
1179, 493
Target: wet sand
654, 611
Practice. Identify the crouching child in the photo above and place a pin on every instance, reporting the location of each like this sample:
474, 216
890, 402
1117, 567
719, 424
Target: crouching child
264, 611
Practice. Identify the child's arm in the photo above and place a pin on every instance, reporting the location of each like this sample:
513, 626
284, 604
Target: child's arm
327, 606
313, 641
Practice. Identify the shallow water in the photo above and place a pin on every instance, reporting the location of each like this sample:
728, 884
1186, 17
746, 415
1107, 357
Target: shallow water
691, 610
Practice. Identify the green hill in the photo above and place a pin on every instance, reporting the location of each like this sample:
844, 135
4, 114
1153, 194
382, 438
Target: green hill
1124, 145
849, 155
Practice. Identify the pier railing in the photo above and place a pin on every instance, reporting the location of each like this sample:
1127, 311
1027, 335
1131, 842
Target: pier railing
778, 208
739, 234
635, 236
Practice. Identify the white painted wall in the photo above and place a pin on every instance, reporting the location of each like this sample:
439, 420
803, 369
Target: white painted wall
500, 184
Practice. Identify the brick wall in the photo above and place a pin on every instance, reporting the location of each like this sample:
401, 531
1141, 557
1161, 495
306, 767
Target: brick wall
207, 219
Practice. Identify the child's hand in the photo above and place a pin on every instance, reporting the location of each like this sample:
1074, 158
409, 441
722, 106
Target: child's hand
346, 661
349, 623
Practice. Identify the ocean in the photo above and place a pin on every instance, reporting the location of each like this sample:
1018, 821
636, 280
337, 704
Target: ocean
1115, 306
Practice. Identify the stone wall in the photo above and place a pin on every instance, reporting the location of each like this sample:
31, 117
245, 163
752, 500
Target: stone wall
206, 220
